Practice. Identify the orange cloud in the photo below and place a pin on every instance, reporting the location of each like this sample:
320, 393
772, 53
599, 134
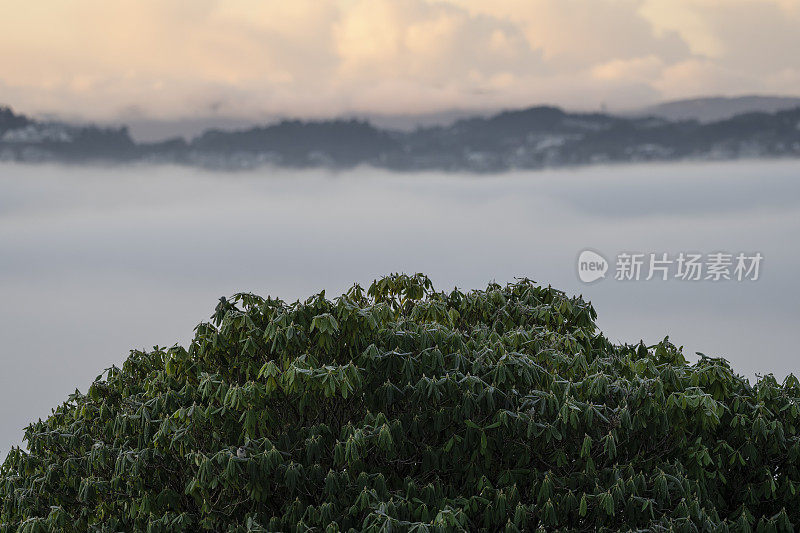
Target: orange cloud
173, 58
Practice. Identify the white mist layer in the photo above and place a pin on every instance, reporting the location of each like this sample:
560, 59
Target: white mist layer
95, 261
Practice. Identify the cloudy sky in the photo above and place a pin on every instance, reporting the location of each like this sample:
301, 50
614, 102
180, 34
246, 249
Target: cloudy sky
177, 58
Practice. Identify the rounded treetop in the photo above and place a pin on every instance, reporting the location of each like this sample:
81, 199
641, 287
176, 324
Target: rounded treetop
408, 409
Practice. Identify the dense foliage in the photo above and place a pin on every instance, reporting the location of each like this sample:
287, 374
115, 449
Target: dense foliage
407, 409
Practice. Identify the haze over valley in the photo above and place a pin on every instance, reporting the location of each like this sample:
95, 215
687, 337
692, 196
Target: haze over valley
100, 260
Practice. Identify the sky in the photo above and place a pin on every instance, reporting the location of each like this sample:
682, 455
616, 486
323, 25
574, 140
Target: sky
174, 59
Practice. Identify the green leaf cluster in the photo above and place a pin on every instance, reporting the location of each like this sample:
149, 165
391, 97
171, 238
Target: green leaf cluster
401, 408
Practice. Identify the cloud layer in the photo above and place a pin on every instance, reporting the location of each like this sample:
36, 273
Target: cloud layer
169, 58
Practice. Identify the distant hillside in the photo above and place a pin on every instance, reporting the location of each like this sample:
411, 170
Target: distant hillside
9, 121
533, 138
154, 130
712, 109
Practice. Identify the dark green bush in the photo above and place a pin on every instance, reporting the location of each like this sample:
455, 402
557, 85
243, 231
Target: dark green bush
406, 409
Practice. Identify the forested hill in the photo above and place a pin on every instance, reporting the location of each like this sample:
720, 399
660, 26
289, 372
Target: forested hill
532, 138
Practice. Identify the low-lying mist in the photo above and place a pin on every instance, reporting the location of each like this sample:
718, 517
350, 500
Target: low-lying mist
95, 261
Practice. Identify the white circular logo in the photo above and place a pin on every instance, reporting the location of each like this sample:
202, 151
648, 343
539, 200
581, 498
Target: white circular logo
591, 266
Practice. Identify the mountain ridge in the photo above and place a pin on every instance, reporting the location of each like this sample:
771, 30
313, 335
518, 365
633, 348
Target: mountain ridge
531, 138
716, 108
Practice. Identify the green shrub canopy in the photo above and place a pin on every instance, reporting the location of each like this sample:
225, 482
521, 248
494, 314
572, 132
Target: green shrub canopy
407, 409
